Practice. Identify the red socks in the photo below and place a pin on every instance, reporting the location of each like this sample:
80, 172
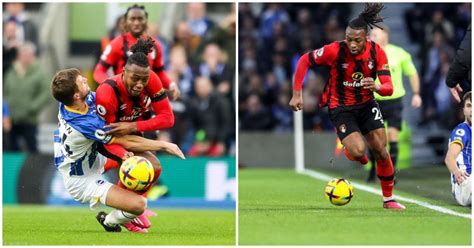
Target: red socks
385, 173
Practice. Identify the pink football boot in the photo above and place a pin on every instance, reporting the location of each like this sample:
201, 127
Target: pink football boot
392, 204
141, 221
132, 228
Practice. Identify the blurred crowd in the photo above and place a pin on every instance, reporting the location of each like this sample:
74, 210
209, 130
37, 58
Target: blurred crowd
200, 58
437, 29
270, 42
272, 36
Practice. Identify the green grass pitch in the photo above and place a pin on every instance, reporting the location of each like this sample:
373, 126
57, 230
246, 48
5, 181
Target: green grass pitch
46, 225
280, 207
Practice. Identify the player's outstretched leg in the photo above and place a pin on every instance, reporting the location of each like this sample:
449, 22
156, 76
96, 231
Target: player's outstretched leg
142, 220
129, 205
376, 140
354, 148
385, 173
109, 228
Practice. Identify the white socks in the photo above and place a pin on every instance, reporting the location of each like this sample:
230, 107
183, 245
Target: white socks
117, 217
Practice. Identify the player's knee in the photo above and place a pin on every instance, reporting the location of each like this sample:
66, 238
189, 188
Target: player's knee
138, 206
357, 151
380, 153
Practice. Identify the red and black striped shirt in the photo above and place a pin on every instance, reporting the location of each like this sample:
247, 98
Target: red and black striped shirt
346, 72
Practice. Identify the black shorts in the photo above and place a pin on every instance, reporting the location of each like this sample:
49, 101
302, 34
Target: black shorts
392, 112
362, 118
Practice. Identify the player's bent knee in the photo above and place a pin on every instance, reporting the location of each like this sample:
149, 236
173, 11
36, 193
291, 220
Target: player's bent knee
138, 206
357, 151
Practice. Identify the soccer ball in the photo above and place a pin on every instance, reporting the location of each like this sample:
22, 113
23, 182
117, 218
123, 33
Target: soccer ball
136, 173
339, 191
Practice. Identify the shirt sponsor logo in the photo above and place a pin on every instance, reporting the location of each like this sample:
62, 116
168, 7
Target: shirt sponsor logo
352, 84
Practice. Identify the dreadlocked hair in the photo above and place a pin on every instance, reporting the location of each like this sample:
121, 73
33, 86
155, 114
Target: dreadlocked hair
136, 6
140, 52
369, 17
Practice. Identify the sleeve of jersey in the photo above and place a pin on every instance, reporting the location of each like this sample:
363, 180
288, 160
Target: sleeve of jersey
458, 136
106, 103
93, 128
383, 73
164, 117
159, 68
320, 56
301, 69
408, 67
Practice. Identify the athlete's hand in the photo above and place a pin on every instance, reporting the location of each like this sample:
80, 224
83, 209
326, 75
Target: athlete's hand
127, 155
460, 176
369, 83
173, 149
416, 101
455, 92
174, 91
121, 128
296, 102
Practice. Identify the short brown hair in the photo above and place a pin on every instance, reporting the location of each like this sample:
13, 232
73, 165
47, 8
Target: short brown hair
64, 85
467, 96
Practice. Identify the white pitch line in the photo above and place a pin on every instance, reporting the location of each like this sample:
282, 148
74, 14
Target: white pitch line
372, 190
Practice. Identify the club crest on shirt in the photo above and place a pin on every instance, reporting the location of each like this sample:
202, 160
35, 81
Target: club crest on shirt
342, 128
371, 64
318, 53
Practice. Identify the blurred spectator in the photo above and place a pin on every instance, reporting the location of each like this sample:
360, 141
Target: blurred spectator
268, 43
438, 57
118, 29
459, 75
211, 116
25, 28
26, 90
182, 36
203, 29
7, 126
283, 114
214, 68
439, 24
257, 116
10, 44
153, 30
180, 71
226, 32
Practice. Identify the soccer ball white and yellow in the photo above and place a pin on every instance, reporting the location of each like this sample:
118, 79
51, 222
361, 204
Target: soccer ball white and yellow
339, 191
136, 173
